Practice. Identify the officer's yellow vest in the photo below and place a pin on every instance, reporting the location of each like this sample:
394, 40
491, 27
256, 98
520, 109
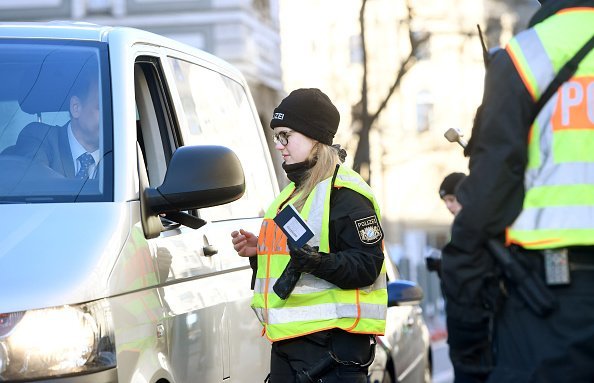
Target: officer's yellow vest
315, 304
558, 207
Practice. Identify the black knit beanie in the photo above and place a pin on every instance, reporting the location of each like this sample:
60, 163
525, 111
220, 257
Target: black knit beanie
450, 184
310, 112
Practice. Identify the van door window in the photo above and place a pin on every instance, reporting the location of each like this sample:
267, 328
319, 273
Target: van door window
217, 111
154, 125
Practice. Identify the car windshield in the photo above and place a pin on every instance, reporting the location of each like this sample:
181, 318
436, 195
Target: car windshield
55, 122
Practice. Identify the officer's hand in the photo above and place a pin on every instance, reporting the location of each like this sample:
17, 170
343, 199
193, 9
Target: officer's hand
245, 243
306, 258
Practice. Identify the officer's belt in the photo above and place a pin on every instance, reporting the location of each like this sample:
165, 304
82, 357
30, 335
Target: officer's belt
581, 258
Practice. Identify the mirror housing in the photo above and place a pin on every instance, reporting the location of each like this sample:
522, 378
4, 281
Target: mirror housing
403, 292
198, 177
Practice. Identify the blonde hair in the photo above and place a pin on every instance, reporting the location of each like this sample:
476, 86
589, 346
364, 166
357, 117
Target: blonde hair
326, 158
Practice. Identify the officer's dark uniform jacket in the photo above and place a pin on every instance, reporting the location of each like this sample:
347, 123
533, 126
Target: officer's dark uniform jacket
493, 193
351, 263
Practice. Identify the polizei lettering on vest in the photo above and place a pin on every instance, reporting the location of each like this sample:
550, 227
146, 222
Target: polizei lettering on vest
576, 104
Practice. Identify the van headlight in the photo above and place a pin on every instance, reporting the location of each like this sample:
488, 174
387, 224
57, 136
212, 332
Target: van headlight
56, 341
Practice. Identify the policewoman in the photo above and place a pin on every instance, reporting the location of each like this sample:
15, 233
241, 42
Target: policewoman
324, 331
531, 181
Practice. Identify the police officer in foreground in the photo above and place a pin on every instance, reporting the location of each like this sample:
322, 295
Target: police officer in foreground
531, 181
322, 319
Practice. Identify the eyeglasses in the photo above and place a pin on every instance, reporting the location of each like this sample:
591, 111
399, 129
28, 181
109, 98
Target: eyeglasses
282, 137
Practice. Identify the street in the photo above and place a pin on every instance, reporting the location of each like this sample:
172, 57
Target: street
442, 368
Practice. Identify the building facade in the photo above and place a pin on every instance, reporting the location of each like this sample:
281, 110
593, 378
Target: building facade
442, 90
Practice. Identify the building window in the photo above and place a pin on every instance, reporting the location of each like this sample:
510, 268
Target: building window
263, 7
99, 6
356, 49
422, 51
424, 111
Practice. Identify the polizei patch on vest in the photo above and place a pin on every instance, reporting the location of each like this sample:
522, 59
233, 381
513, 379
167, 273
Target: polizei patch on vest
369, 230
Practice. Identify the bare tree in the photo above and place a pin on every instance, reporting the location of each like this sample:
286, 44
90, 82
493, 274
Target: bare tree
362, 116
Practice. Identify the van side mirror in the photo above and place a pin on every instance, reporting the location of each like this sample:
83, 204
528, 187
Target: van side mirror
403, 292
198, 177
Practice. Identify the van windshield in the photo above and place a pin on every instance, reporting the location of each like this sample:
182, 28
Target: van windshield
55, 122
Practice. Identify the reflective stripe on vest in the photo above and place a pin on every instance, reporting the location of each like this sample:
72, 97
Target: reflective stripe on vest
315, 304
558, 207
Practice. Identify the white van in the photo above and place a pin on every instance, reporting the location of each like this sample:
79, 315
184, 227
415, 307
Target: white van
126, 272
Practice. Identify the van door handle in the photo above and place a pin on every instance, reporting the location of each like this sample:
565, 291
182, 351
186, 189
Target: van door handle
209, 250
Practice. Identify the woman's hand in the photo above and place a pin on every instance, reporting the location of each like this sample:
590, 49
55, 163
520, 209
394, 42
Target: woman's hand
244, 243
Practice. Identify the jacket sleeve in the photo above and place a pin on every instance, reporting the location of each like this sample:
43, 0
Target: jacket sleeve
492, 195
254, 266
352, 263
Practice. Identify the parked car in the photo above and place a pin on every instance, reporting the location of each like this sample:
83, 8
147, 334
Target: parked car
403, 354
126, 273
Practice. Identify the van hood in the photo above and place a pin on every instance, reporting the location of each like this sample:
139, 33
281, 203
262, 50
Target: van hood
55, 254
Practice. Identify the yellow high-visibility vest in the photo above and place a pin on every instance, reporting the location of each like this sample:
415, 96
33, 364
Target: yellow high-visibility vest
558, 209
315, 304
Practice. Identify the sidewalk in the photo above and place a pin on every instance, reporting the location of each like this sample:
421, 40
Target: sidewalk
443, 372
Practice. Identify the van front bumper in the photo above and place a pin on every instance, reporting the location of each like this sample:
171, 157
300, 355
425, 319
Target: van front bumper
105, 376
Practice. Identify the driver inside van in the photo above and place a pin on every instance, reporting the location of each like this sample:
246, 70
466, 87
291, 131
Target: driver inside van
72, 150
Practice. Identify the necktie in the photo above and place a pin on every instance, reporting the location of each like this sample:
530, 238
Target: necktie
85, 160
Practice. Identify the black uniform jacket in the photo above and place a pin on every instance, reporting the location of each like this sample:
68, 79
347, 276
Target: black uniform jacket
351, 263
493, 193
